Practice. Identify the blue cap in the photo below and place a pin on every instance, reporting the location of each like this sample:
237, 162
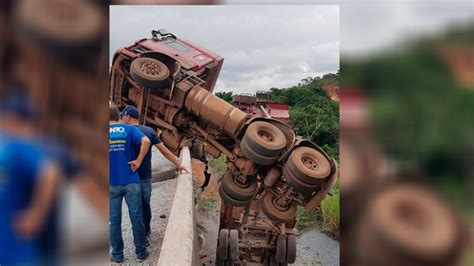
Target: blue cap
124, 109
18, 103
131, 111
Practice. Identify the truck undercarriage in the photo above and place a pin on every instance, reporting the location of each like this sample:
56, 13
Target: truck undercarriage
270, 171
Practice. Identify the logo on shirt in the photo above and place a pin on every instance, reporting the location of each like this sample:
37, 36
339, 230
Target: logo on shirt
117, 133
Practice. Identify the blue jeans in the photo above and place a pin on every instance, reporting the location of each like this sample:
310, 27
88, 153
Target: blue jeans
132, 195
146, 195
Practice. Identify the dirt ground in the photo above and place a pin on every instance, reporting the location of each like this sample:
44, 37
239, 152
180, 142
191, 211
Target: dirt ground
207, 214
313, 246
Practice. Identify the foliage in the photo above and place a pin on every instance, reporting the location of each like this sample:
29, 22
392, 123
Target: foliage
218, 165
330, 208
306, 219
225, 95
209, 203
313, 114
422, 116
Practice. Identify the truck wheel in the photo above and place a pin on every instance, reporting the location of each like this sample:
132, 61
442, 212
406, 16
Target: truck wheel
223, 244
237, 190
265, 138
414, 221
280, 253
45, 23
230, 200
275, 212
290, 248
149, 72
296, 183
233, 244
255, 157
308, 165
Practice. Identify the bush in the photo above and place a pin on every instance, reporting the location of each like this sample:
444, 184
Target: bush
307, 220
330, 212
218, 165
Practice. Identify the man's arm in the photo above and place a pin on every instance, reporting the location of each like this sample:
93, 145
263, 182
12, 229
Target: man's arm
145, 144
97, 197
170, 156
30, 221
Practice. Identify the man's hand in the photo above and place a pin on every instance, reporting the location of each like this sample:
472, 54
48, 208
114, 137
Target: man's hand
135, 164
27, 224
182, 168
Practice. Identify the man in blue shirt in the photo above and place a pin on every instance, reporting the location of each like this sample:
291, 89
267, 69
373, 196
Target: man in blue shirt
28, 184
130, 115
124, 141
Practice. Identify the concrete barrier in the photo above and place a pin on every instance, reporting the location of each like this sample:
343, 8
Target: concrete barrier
180, 241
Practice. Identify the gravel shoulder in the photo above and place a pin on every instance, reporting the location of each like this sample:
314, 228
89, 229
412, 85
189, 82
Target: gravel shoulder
161, 202
316, 248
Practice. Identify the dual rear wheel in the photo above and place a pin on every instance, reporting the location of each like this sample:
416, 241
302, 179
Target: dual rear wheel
228, 247
285, 251
235, 192
306, 169
263, 143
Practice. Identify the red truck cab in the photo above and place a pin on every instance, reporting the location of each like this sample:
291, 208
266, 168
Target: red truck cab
201, 62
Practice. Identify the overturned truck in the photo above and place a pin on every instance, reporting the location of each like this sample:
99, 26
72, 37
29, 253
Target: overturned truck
270, 170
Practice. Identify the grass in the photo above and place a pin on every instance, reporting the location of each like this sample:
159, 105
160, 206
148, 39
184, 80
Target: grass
218, 165
330, 208
209, 203
307, 220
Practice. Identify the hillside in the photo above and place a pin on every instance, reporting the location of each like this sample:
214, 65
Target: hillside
313, 114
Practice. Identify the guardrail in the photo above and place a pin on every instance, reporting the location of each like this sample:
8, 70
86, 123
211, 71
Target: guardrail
180, 241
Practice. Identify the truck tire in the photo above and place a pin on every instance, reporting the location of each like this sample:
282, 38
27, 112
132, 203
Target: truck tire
280, 252
290, 248
255, 157
223, 244
308, 165
275, 213
149, 72
296, 183
229, 199
45, 24
237, 190
233, 244
415, 222
265, 138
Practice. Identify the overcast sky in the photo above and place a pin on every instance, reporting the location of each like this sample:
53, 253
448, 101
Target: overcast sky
262, 46
368, 26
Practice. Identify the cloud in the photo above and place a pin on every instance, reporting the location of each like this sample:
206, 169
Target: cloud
262, 46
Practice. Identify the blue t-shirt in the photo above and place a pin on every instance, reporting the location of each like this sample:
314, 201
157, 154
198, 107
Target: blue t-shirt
48, 237
21, 161
123, 141
145, 168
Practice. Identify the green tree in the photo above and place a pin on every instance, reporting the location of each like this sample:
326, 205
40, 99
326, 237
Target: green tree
225, 95
313, 114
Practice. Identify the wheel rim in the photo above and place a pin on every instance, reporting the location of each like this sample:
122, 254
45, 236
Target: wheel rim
309, 163
265, 136
150, 68
278, 206
240, 184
